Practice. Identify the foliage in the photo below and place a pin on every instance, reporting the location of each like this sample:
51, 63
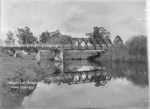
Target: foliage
99, 32
26, 36
45, 36
55, 34
137, 73
134, 50
54, 37
118, 40
137, 46
64, 39
10, 38
116, 53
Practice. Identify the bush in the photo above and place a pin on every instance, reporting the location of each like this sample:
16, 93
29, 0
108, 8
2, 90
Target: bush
64, 39
134, 50
137, 46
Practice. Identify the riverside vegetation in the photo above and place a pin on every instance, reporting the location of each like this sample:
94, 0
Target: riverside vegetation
133, 50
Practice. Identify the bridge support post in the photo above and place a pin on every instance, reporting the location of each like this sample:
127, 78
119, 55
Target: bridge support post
58, 55
59, 67
38, 56
15, 53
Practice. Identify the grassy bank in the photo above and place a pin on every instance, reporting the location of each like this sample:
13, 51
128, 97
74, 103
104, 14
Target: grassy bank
16, 69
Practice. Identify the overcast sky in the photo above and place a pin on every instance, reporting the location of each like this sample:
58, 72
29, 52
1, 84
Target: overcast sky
74, 17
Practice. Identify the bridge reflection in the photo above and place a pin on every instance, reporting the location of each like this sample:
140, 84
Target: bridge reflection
97, 75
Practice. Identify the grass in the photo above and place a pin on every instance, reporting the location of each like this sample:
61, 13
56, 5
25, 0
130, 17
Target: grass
15, 70
10, 67
24, 68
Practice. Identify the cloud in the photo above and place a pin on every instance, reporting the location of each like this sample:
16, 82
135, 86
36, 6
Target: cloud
75, 18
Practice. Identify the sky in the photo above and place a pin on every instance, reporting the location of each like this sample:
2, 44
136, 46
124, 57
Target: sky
75, 17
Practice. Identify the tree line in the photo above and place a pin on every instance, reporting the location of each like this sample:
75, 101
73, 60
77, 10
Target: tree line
134, 49
25, 36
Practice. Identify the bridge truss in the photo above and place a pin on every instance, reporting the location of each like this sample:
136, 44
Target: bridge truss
94, 44
100, 77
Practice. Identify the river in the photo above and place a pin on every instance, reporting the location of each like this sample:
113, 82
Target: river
84, 84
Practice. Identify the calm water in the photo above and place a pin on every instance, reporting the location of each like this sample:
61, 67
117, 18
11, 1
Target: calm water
82, 84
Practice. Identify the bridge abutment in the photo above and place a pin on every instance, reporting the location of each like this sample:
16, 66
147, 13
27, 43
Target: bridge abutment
58, 55
15, 54
38, 56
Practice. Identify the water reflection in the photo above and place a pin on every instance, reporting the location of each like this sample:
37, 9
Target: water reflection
100, 77
137, 73
83, 78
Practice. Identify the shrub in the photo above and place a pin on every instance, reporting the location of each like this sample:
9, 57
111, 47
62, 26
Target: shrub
134, 50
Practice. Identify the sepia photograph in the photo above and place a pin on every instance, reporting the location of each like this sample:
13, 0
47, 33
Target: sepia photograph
74, 54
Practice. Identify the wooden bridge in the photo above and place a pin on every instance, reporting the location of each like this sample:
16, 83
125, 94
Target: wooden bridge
91, 44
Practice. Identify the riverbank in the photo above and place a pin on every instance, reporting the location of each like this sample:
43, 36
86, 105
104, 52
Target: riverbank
16, 69
11, 67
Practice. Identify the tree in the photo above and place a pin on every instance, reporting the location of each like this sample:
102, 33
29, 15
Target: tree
26, 36
55, 34
96, 33
10, 39
44, 37
99, 32
138, 46
64, 39
118, 40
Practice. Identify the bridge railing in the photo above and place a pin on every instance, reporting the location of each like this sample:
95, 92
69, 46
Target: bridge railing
76, 43
38, 46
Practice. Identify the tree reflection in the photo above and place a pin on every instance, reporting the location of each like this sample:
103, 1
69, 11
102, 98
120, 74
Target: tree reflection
137, 73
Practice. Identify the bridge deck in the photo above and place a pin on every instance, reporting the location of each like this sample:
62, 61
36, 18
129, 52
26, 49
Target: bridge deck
51, 47
75, 44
